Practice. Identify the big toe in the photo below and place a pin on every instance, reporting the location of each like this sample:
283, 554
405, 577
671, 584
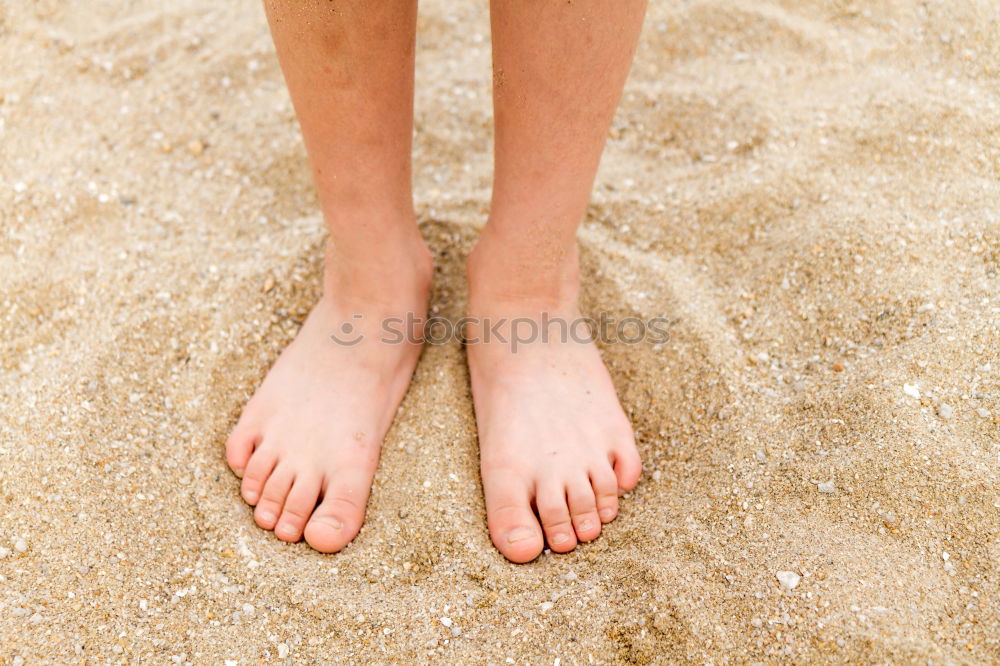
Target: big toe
239, 447
628, 467
513, 526
518, 540
338, 518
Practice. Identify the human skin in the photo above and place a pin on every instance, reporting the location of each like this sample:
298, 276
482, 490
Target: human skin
556, 448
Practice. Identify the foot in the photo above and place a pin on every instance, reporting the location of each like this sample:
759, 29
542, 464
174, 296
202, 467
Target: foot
307, 443
556, 448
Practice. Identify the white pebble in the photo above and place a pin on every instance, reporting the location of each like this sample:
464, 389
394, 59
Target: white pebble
945, 411
945, 556
143, 605
4, 552
446, 621
546, 606
18, 660
826, 487
789, 580
248, 610
231, 662
20, 545
911, 390
282, 650
983, 412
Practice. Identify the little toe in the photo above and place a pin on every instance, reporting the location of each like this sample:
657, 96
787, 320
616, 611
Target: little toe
257, 471
556, 522
513, 526
583, 510
605, 485
239, 447
272, 498
337, 519
628, 467
299, 505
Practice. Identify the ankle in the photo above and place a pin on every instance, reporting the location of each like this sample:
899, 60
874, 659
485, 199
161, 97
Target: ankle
392, 273
519, 277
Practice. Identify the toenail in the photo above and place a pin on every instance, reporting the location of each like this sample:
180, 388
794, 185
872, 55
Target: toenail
238, 472
250, 496
560, 538
520, 534
267, 517
586, 525
332, 522
607, 514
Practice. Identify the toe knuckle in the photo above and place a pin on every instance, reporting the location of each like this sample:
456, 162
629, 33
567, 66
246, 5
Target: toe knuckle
295, 515
556, 523
345, 501
506, 509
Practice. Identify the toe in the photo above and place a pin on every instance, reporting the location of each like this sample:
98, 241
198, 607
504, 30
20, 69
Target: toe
257, 471
583, 509
299, 505
554, 512
239, 447
513, 526
338, 518
272, 498
605, 486
628, 467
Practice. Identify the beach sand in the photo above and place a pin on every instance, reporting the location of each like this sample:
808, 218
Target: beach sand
807, 190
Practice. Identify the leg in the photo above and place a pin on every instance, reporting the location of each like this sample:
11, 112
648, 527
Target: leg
552, 433
312, 432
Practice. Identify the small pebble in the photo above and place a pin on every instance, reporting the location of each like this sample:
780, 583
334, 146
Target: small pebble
945, 411
546, 606
983, 413
4, 552
911, 390
446, 621
20, 545
282, 650
826, 487
196, 147
789, 580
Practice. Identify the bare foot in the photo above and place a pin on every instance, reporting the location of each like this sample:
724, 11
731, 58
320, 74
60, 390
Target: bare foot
313, 431
553, 437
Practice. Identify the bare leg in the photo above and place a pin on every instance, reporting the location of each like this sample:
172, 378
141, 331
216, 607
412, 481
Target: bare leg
312, 432
552, 433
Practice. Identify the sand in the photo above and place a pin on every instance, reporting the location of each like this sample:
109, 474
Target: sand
808, 190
